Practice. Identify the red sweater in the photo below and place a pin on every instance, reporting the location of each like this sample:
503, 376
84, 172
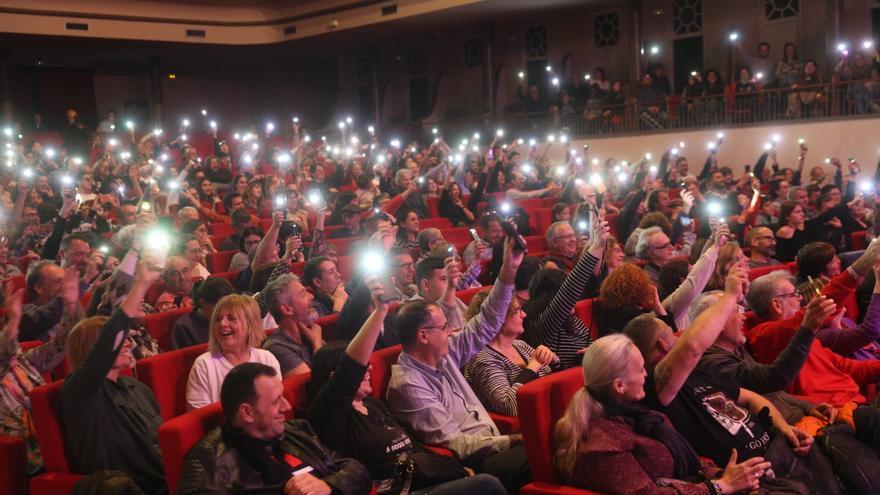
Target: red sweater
825, 376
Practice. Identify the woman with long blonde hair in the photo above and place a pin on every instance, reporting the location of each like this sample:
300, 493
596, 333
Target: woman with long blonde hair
608, 442
236, 332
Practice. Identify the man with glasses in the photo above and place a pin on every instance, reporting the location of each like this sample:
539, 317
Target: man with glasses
763, 244
563, 243
429, 394
403, 271
654, 247
323, 277
826, 376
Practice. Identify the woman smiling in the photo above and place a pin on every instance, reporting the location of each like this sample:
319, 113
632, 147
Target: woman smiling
235, 337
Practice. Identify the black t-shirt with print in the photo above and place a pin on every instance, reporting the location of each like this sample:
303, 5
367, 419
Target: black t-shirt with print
706, 413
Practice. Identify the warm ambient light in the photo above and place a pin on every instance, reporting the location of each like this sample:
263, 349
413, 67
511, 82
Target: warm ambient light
172, 76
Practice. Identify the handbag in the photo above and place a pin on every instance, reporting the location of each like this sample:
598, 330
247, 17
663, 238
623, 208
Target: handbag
419, 470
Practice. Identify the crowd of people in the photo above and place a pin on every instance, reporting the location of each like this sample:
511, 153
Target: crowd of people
696, 380
761, 88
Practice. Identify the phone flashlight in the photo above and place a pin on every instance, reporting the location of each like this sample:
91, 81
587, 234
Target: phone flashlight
505, 207
474, 234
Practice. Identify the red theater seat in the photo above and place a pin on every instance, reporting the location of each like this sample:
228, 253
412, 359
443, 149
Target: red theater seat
219, 261
46, 408
536, 243
178, 435
764, 270
221, 229
167, 374
540, 404
13, 463
380, 375
435, 223
159, 325
295, 393
328, 326
857, 240
584, 311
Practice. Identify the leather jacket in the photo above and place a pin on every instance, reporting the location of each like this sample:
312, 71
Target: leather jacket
213, 467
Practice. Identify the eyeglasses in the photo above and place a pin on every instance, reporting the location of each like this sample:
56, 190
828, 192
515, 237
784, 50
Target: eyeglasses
797, 295
444, 327
666, 245
405, 265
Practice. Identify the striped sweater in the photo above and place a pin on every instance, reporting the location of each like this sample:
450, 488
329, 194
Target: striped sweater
556, 326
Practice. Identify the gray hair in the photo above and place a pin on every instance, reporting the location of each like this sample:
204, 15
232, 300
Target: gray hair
551, 230
181, 213
400, 173
793, 191
427, 236
702, 303
642, 243
762, 290
629, 248
275, 294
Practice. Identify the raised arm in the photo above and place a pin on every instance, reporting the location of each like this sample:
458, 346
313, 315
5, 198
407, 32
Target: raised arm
268, 242
550, 322
672, 371
86, 379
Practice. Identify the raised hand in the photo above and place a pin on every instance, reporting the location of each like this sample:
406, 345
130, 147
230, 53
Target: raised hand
817, 312
737, 282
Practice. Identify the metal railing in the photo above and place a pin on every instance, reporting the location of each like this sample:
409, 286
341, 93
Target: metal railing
821, 101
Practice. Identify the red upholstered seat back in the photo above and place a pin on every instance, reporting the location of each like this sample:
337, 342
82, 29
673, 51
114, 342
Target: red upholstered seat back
219, 261
167, 374
221, 229
178, 435
381, 372
295, 393
764, 270
584, 311
328, 326
46, 409
159, 325
540, 404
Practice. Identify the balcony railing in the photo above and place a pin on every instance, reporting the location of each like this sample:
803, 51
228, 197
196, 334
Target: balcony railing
821, 101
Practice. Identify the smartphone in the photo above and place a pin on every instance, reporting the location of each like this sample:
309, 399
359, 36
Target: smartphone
288, 229
511, 231
474, 235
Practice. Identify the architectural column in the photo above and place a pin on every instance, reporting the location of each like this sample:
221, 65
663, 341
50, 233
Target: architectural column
5, 93
156, 91
373, 51
487, 33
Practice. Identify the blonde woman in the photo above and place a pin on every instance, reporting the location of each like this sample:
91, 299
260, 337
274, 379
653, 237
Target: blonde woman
236, 333
605, 426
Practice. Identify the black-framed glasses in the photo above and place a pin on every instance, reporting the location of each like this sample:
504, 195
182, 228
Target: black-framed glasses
444, 327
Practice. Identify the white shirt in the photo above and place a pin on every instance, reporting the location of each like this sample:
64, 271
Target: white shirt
208, 372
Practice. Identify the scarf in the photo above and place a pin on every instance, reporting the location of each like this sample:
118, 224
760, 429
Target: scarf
264, 456
650, 424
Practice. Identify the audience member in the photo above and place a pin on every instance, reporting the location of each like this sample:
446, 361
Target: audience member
193, 328
552, 295
111, 421
298, 337
506, 363
234, 338
323, 278
349, 420
762, 244
258, 450
605, 425
178, 284
427, 374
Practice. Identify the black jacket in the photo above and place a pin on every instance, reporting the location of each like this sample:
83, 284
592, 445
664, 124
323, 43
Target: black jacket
213, 467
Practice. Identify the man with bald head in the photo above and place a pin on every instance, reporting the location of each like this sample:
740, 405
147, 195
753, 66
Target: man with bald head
763, 244
41, 316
